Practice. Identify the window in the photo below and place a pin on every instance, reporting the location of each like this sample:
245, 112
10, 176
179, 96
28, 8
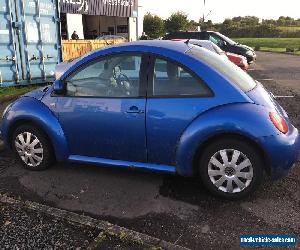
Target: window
216, 40
114, 76
172, 80
229, 70
122, 29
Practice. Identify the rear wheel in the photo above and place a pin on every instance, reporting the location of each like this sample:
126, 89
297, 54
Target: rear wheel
32, 147
231, 169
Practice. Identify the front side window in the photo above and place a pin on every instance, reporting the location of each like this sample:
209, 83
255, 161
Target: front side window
171, 80
113, 76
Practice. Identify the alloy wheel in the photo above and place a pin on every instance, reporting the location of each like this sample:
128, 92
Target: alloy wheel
29, 148
230, 170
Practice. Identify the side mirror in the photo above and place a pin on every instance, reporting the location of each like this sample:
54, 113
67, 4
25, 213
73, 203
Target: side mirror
58, 87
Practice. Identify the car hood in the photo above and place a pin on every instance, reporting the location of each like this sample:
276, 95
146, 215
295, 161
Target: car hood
61, 68
37, 93
245, 47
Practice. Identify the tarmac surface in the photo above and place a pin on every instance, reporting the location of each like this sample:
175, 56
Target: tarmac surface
176, 209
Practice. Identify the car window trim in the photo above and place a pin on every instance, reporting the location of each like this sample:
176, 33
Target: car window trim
153, 57
143, 77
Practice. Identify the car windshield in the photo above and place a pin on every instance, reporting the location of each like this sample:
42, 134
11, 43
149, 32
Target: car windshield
217, 49
227, 39
232, 72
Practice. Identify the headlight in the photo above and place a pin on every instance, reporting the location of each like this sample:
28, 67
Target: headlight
5, 110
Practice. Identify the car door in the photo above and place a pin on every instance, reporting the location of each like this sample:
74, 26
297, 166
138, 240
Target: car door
103, 109
176, 96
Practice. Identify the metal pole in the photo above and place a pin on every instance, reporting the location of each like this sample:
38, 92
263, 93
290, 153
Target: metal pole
14, 59
41, 39
203, 11
26, 42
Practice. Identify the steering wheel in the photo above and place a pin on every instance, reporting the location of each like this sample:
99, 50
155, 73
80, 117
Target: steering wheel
124, 83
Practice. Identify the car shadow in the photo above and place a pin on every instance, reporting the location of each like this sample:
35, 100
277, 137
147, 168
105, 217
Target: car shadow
65, 179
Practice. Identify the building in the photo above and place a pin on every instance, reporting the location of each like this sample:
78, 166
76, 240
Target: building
92, 18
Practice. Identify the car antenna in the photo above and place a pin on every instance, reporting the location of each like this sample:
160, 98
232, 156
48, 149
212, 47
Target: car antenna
187, 41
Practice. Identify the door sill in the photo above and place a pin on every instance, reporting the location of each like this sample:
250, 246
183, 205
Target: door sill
119, 163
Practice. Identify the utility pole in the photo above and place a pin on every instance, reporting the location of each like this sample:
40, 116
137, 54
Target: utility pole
203, 18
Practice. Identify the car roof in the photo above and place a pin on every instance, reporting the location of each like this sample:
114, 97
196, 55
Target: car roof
201, 42
163, 44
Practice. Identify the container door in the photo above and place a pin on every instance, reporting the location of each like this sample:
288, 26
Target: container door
39, 38
29, 41
10, 64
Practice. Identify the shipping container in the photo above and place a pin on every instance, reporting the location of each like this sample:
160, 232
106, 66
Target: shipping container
30, 44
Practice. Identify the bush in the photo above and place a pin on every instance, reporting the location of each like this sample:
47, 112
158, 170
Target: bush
290, 50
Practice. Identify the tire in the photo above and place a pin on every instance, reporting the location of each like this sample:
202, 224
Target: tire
235, 178
37, 154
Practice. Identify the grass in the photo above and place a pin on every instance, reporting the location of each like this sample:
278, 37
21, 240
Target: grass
272, 44
278, 50
9, 91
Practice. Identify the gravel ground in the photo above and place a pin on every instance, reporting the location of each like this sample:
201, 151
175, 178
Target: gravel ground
23, 229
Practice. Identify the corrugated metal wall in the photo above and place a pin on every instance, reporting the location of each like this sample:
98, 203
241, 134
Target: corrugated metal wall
29, 41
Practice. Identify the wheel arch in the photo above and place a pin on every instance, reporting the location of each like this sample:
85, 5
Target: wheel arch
230, 135
245, 121
27, 110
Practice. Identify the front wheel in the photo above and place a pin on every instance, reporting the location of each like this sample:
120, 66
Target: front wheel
231, 169
32, 147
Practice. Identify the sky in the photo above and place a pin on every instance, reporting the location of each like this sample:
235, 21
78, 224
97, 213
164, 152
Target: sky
221, 9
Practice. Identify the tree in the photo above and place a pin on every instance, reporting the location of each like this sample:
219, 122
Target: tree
153, 25
193, 26
207, 25
250, 21
178, 21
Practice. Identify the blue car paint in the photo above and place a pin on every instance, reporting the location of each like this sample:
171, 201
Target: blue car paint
37, 93
283, 151
171, 136
121, 163
108, 127
29, 109
227, 119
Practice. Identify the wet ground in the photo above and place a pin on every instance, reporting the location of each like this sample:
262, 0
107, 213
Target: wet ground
169, 207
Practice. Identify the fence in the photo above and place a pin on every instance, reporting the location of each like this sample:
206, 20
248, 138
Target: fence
75, 48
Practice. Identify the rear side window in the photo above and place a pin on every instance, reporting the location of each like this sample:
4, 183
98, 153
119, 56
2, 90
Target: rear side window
232, 72
171, 80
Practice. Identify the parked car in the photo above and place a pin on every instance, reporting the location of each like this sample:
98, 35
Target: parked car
238, 60
224, 42
157, 105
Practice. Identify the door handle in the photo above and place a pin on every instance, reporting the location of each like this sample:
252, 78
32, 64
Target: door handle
134, 110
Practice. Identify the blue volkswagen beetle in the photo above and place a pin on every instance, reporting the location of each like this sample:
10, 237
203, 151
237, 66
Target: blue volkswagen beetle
156, 105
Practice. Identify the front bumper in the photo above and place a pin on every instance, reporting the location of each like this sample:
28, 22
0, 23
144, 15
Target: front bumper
251, 58
282, 152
